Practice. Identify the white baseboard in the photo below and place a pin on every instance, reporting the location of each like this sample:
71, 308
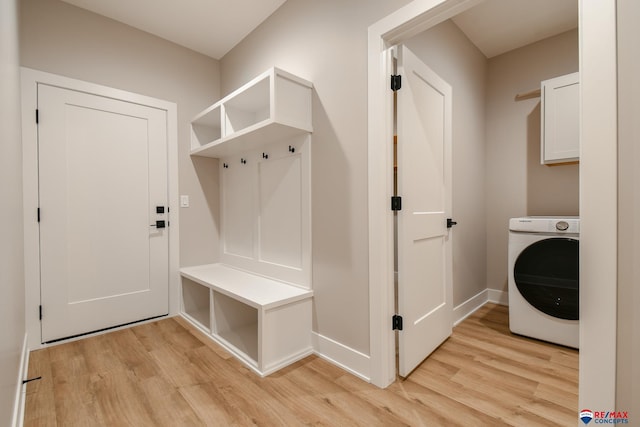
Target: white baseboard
21, 389
468, 307
359, 364
498, 297
350, 360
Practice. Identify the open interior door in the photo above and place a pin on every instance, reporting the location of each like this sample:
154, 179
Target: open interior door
424, 183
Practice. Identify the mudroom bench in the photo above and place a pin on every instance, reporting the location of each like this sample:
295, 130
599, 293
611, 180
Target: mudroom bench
264, 322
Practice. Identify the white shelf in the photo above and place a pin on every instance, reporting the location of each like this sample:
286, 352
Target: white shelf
253, 137
273, 106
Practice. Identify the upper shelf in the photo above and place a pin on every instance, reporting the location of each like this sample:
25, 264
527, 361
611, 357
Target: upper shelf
275, 105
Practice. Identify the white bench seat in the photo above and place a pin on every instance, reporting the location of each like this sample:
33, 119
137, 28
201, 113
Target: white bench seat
253, 290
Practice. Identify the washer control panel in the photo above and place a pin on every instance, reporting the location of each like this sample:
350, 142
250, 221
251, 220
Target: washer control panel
543, 224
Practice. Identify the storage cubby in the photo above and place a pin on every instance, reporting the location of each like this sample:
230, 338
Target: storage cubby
236, 323
206, 128
273, 106
196, 303
248, 107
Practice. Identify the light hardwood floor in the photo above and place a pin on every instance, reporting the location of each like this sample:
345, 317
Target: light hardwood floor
168, 374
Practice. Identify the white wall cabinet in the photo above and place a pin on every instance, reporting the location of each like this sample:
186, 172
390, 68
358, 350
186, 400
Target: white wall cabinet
560, 119
257, 300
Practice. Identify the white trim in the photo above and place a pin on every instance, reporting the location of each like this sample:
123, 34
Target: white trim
498, 297
21, 389
407, 21
350, 360
598, 204
467, 308
30, 78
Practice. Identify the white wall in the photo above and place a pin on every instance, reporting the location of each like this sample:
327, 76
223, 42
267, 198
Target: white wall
628, 338
447, 51
516, 183
63, 39
12, 325
326, 43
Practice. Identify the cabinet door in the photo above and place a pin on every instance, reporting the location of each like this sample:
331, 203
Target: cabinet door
560, 119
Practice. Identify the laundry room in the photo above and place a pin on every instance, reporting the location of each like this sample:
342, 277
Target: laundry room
497, 169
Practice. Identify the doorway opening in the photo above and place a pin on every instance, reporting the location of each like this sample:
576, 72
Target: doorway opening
406, 25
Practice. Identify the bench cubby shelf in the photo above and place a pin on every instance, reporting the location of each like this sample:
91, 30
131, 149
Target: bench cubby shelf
263, 322
275, 105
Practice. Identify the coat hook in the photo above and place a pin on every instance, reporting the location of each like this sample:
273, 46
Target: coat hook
225, 165
243, 161
265, 156
292, 149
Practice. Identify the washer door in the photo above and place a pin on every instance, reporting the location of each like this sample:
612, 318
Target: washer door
546, 274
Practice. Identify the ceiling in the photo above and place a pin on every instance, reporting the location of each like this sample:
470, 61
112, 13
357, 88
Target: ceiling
498, 26
213, 27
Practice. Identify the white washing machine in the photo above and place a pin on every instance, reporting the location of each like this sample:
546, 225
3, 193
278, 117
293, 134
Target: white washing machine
544, 278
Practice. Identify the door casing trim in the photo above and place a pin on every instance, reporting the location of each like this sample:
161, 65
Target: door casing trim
29, 81
401, 25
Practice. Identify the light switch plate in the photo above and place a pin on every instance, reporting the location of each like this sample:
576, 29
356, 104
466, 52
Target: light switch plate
184, 201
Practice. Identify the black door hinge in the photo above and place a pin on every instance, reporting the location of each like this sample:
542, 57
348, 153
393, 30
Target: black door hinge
451, 223
396, 322
396, 203
38, 214
40, 312
396, 82
37, 116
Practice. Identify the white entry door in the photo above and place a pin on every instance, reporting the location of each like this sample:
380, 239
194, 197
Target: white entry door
102, 185
424, 183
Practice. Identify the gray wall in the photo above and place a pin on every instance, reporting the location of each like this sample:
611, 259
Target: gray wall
326, 43
447, 51
12, 326
517, 184
628, 370
63, 39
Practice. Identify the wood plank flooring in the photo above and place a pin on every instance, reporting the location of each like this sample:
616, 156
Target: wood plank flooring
167, 373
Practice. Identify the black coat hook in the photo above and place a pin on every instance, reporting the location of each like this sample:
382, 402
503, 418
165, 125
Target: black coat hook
265, 156
243, 161
225, 165
292, 149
